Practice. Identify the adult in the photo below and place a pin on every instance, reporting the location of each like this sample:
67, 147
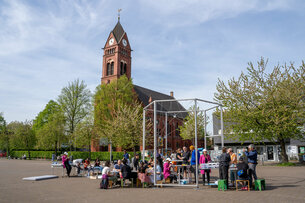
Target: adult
193, 161
158, 172
66, 164
118, 166
86, 164
178, 156
135, 162
88, 167
233, 163
125, 170
242, 171
224, 162
97, 164
143, 173
252, 162
204, 159
185, 157
160, 158
126, 155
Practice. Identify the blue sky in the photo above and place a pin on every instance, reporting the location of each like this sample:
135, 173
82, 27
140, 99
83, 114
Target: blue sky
182, 46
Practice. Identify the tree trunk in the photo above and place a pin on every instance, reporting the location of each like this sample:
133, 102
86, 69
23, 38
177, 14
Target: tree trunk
283, 151
134, 151
29, 152
7, 147
55, 148
89, 150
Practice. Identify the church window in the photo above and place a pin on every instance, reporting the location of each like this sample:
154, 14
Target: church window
108, 69
121, 68
125, 68
112, 68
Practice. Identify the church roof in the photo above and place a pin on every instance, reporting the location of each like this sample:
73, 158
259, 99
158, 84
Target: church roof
144, 95
118, 31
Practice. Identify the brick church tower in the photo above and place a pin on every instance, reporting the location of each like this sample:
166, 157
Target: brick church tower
117, 55
117, 62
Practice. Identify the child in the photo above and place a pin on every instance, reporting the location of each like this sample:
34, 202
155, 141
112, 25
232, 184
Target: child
242, 174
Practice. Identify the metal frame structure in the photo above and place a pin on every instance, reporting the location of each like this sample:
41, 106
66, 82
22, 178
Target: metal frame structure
154, 103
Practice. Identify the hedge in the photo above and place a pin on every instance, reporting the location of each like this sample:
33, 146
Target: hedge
76, 154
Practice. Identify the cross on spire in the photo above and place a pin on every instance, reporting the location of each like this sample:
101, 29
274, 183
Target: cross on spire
119, 10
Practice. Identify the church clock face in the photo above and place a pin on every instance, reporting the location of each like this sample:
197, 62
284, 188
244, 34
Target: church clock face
111, 41
124, 42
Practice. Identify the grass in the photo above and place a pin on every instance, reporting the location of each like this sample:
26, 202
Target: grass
286, 164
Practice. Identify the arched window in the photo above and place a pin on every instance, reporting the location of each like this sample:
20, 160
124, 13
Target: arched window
112, 68
108, 72
121, 68
125, 68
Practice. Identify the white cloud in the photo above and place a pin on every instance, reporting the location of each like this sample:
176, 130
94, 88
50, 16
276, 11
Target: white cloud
186, 12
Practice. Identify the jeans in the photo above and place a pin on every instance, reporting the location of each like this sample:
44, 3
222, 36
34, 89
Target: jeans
193, 169
223, 173
207, 173
252, 172
68, 167
232, 176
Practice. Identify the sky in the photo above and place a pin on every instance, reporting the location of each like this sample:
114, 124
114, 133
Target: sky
183, 46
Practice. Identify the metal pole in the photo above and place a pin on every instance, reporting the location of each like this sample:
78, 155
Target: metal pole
196, 147
205, 130
221, 124
155, 140
166, 134
143, 141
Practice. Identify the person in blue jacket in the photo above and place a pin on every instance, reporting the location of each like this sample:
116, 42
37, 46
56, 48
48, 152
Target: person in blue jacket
193, 161
252, 162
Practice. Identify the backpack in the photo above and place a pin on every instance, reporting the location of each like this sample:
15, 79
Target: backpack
240, 173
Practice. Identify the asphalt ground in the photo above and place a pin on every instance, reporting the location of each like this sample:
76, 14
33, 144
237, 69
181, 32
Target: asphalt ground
284, 184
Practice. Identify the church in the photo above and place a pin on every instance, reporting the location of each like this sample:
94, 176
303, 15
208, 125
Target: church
117, 62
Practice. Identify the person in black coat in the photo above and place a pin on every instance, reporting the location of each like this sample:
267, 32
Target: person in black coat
242, 172
224, 163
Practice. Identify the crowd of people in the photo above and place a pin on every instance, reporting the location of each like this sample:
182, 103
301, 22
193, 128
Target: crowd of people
167, 169
245, 168
182, 164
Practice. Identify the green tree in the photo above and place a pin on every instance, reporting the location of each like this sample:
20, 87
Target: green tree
75, 103
4, 135
52, 134
23, 136
126, 126
187, 130
265, 105
85, 133
43, 117
107, 99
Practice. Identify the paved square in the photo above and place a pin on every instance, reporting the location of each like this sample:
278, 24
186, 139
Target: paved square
284, 184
